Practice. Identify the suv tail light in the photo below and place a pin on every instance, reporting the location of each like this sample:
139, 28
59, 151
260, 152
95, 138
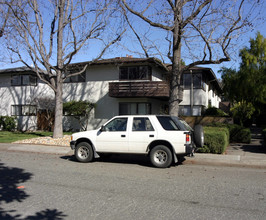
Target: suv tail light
187, 138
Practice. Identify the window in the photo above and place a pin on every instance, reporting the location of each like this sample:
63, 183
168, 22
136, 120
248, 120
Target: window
24, 110
187, 81
23, 80
142, 124
135, 73
78, 78
118, 124
187, 111
16, 80
167, 123
196, 111
134, 108
198, 82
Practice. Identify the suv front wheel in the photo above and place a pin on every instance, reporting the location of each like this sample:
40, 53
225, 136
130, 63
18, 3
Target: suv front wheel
84, 152
161, 156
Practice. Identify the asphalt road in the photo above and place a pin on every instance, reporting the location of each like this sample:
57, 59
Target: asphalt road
47, 186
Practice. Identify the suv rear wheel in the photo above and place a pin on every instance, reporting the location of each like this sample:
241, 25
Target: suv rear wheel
161, 156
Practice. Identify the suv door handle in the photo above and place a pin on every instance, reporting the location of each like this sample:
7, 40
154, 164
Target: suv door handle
123, 135
151, 135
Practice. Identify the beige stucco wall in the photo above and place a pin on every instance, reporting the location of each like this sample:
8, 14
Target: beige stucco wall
95, 90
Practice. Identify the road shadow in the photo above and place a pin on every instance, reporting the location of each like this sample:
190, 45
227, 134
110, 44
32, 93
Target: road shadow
12, 182
257, 149
257, 144
116, 158
137, 159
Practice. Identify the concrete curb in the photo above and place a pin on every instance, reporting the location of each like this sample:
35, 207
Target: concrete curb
255, 161
37, 148
228, 160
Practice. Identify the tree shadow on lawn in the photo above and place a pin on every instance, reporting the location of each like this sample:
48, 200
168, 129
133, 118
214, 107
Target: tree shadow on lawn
11, 190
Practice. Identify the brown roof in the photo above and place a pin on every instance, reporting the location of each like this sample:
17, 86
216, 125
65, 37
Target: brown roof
121, 60
14, 70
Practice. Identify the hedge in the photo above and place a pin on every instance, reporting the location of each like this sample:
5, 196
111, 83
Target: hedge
237, 133
7, 123
216, 140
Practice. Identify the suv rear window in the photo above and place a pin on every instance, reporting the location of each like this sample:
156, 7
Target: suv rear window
168, 123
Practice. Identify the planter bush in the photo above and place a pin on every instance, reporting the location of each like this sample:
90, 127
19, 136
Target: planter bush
237, 133
216, 140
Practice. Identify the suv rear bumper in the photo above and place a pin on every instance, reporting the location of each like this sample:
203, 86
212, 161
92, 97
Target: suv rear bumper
190, 149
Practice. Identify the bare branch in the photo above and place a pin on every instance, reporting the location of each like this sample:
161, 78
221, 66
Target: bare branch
140, 15
171, 4
136, 34
192, 16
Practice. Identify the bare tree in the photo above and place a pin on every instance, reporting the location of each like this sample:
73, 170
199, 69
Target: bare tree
203, 29
50, 33
5, 25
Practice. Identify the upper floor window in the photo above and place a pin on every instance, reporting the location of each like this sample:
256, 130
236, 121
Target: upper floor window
24, 110
78, 78
135, 73
23, 80
198, 82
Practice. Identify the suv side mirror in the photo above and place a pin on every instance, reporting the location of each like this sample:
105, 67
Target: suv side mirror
102, 128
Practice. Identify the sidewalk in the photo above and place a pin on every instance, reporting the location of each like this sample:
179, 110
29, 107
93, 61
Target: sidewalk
36, 148
237, 154
243, 155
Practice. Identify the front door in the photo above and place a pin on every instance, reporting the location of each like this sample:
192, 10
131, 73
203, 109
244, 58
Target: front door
113, 137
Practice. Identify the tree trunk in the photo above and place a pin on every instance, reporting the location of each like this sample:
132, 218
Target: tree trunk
58, 126
176, 64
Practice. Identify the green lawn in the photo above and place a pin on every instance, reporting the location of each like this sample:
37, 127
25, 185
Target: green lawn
9, 137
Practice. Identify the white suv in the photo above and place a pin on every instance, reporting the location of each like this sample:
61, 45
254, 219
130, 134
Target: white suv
163, 138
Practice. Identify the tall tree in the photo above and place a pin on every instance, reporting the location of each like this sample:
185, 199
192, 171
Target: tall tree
249, 82
253, 70
202, 30
247, 86
50, 33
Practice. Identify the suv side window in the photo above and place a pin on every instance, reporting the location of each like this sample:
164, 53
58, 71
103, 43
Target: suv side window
168, 123
118, 124
142, 124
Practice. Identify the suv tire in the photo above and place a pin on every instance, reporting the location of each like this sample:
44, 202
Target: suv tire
161, 156
84, 152
199, 136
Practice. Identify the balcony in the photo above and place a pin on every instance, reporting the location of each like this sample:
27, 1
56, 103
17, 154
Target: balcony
155, 89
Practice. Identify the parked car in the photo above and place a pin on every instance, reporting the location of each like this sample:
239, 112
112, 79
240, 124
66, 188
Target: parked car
165, 139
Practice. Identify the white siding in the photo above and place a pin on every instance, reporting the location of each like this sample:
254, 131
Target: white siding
95, 90
199, 97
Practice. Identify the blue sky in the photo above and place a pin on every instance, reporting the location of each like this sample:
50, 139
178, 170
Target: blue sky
243, 41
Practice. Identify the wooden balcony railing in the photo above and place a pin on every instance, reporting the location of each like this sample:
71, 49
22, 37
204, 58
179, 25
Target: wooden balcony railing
157, 89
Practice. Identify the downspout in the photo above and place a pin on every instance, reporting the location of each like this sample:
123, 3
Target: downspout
191, 93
